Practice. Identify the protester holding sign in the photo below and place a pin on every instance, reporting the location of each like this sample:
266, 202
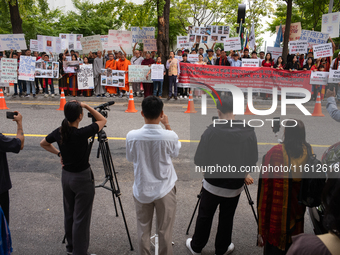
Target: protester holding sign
136, 60
111, 64
210, 59
148, 87
73, 79
157, 76
222, 60
173, 72
98, 65
308, 66
48, 81
123, 65
233, 59
268, 62
279, 64
29, 84
293, 65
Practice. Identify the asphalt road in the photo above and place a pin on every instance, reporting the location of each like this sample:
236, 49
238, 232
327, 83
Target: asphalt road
36, 213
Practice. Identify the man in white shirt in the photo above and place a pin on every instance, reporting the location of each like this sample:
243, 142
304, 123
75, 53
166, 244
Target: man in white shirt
136, 60
150, 149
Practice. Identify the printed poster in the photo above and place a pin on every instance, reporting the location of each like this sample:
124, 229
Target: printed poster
46, 69
113, 78
85, 77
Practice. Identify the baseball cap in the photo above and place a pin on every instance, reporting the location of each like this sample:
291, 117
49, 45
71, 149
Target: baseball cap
19, 51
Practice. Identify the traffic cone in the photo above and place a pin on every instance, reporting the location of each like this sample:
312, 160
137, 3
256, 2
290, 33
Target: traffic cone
62, 101
317, 109
191, 106
248, 112
131, 105
3, 105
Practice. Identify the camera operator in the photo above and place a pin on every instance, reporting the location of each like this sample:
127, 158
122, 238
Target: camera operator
150, 149
9, 145
223, 145
77, 177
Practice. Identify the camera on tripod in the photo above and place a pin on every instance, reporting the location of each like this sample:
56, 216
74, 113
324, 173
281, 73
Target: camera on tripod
102, 109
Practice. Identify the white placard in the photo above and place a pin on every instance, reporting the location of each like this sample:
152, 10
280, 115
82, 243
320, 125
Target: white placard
182, 42
112, 78
275, 51
334, 76
140, 34
314, 37
323, 50
9, 68
250, 62
3, 84
119, 38
91, 43
319, 78
137, 73
27, 68
85, 77
180, 58
300, 47
34, 45
13, 42
70, 41
330, 24
192, 58
157, 72
49, 44
233, 43
105, 42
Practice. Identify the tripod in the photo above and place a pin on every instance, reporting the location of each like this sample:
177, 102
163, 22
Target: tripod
251, 203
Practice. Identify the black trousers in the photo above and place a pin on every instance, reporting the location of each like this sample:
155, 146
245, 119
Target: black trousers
207, 208
270, 249
78, 195
4, 203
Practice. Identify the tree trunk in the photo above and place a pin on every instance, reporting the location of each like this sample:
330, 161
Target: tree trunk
287, 30
163, 35
15, 18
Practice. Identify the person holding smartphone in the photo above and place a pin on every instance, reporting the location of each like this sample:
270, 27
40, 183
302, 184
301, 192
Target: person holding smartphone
173, 72
77, 177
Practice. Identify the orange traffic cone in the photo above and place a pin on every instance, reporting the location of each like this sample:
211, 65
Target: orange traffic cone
248, 112
317, 109
3, 105
62, 101
191, 107
131, 105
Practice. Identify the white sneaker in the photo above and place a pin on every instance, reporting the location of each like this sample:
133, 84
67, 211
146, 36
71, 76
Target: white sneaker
185, 97
188, 244
52, 95
180, 96
230, 249
46, 95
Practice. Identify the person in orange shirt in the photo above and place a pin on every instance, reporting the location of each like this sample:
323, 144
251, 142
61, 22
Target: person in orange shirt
123, 65
112, 65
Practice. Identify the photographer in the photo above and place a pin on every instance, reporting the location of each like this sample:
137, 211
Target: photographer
77, 177
222, 144
9, 145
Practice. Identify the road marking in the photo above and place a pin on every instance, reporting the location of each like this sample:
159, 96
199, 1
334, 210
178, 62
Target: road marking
183, 141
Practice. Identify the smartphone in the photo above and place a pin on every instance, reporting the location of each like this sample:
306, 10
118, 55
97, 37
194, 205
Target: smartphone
10, 115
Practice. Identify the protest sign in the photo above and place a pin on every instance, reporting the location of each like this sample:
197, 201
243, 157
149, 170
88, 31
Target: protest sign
334, 76
233, 43
85, 77
330, 24
49, 44
71, 66
314, 37
34, 45
157, 72
275, 51
319, 78
249, 62
180, 58
182, 42
71, 41
295, 31
119, 38
218, 30
149, 45
298, 47
91, 43
27, 68
112, 78
192, 58
137, 73
260, 79
46, 69
9, 67
2, 84
323, 50
105, 42
13, 42
140, 34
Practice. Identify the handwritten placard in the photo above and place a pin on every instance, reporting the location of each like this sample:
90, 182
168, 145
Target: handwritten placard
119, 38
9, 67
249, 62
34, 45
27, 68
150, 45
314, 37
295, 31
233, 43
182, 42
300, 47
192, 58
140, 34
330, 24
85, 77
91, 43
13, 42
319, 78
157, 72
137, 73
323, 50
275, 51
334, 76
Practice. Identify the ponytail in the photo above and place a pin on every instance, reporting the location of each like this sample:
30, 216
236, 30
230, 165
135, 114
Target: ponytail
72, 110
65, 131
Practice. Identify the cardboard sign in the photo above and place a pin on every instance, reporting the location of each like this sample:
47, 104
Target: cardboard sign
233, 43
330, 24
157, 72
119, 38
334, 76
314, 37
319, 78
192, 58
27, 68
275, 51
85, 77
34, 45
112, 78
46, 69
13, 42
9, 67
137, 73
71, 66
91, 43
182, 42
149, 45
300, 47
140, 34
323, 50
250, 62
295, 31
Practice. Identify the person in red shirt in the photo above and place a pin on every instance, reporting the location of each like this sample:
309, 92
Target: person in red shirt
268, 61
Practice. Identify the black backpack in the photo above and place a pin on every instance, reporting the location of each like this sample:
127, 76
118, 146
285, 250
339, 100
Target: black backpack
313, 182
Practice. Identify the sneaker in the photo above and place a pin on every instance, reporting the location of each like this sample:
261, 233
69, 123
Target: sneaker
175, 98
14, 95
52, 95
134, 94
98, 95
27, 95
185, 97
140, 94
230, 249
46, 95
7, 94
168, 98
107, 95
103, 95
180, 96
34, 95
121, 95
188, 244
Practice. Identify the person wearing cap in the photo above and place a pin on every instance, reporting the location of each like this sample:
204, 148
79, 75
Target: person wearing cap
210, 59
233, 59
222, 60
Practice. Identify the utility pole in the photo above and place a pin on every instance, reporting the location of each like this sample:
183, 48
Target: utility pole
330, 9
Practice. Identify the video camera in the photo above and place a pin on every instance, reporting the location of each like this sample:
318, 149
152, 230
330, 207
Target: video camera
102, 109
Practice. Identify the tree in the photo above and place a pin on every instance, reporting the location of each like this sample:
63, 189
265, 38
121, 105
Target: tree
287, 30
16, 20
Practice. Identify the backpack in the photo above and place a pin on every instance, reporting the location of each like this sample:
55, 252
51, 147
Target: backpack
313, 181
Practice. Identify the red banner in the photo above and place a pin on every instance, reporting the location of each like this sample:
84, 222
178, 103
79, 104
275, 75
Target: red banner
261, 79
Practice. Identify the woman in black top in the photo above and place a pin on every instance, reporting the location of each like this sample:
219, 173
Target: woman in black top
77, 177
309, 64
294, 65
279, 64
